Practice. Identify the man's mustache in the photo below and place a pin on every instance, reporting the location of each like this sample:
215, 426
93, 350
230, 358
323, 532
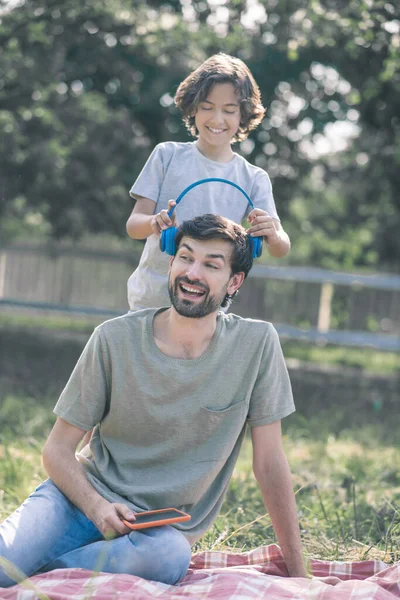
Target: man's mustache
195, 283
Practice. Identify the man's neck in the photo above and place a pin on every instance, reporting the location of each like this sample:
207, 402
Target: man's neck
182, 337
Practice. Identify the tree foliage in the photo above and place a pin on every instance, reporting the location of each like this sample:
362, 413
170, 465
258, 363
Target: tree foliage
86, 91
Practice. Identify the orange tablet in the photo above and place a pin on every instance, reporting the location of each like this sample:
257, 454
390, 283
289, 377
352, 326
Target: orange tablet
156, 518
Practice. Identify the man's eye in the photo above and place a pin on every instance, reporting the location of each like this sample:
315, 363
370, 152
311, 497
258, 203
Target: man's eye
230, 112
211, 266
184, 257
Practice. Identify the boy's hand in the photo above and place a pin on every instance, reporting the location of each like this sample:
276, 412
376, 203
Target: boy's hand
263, 225
161, 220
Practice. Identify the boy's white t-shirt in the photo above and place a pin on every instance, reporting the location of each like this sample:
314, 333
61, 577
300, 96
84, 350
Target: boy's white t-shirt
171, 168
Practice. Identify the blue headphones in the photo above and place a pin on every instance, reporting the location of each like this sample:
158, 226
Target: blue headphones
167, 239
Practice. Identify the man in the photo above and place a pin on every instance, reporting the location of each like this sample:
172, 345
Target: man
169, 393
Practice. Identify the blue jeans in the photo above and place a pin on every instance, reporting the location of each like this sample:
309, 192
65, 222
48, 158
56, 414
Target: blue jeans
48, 532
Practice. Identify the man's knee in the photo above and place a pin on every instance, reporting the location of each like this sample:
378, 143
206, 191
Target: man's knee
180, 552
7, 567
5, 581
9, 572
166, 553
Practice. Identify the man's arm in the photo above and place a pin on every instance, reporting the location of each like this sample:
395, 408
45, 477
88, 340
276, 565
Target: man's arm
69, 476
272, 472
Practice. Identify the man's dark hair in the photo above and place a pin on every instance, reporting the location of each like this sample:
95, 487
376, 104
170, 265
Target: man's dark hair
221, 68
215, 227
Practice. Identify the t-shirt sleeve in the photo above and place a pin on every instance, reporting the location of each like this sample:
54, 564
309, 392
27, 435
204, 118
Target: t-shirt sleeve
84, 399
262, 196
272, 397
150, 179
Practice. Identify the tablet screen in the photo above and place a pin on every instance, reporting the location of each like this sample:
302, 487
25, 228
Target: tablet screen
158, 516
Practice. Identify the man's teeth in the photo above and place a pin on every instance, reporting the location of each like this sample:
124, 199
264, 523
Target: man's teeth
191, 290
215, 130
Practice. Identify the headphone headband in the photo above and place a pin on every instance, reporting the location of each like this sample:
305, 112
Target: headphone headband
208, 180
167, 239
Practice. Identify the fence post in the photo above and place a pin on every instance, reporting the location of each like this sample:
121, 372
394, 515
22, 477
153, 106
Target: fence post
325, 302
3, 264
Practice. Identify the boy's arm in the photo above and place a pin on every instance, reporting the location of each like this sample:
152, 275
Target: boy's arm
143, 222
278, 242
138, 226
67, 473
273, 475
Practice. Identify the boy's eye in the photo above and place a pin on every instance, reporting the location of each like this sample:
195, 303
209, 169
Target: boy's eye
205, 107
230, 112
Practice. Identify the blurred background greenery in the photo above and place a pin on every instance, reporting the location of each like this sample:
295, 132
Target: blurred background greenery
86, 91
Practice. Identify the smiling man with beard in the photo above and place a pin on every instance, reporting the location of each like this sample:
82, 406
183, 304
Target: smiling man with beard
169, 392
202, 288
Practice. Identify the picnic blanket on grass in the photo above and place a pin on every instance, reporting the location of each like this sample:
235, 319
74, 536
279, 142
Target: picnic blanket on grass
260, 573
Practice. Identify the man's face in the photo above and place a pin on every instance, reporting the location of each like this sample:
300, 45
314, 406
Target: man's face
200, 277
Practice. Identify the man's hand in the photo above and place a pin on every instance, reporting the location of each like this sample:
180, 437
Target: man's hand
263, 225
162, 221
68, 475
108, 517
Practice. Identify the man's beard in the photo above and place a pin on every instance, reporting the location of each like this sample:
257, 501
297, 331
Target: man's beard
194, 310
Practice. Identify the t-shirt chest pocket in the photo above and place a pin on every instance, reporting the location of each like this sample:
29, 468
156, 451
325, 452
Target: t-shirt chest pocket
218, 430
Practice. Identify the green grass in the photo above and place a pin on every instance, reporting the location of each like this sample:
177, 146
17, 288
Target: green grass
347, 485
24, 427
348, 499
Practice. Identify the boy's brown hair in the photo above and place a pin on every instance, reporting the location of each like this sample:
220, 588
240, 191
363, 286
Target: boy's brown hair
221, 68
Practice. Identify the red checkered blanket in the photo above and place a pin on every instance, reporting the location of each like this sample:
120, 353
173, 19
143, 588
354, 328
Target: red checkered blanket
260, 573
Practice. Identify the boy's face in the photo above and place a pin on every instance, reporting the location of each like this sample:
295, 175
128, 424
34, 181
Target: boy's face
218, 117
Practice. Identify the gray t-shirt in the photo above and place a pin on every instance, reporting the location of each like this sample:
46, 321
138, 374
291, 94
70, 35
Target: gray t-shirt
167, 431
171, 167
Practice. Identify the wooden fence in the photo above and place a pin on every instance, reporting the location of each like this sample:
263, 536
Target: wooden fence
303, 302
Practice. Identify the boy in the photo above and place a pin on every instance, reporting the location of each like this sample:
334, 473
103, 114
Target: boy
220, 103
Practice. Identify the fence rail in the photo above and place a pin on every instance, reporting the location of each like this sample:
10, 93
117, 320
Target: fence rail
304, 303
313, 274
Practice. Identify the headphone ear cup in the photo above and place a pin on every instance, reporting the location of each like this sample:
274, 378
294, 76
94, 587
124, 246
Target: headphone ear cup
162, 241
167, 240
256, 246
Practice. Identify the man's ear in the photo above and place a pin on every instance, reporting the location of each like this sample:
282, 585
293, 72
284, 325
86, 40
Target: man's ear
171, 260
235, 282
